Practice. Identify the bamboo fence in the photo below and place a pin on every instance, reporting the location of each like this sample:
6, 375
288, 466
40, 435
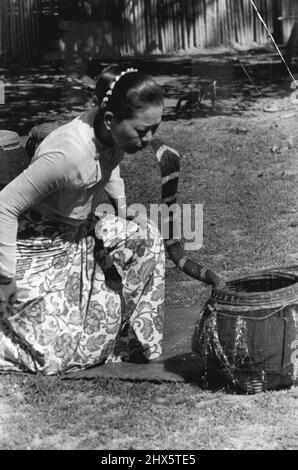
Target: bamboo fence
19, 31
145, 26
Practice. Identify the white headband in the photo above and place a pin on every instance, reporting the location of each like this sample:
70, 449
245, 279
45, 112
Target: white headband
112, 86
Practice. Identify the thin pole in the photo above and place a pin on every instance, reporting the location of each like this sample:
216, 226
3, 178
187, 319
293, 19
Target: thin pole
242, 65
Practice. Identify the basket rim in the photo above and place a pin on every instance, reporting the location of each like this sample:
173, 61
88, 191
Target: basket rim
8, 138
282, 295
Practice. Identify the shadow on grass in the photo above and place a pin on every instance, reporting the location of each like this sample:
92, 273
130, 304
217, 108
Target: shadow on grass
42, 93
241, 77
187, 366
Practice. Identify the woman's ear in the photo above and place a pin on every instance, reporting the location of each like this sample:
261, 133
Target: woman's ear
108, 119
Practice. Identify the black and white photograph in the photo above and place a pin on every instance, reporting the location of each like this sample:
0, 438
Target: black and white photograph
149, 228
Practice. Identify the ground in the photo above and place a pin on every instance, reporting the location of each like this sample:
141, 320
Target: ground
240, 161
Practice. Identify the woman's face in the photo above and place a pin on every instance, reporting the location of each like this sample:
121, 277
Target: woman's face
136, 133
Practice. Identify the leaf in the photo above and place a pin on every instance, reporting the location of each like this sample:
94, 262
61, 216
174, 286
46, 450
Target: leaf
144, 306
112, 308
133, 278
147, 329
75, 318
47, 337
94, 343
158, 294
112, 330
146, 269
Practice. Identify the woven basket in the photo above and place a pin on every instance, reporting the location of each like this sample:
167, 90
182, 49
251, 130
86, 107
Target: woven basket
13, 157
247, 333
38, 134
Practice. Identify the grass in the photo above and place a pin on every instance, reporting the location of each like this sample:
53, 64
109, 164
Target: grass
49, 413
244, 171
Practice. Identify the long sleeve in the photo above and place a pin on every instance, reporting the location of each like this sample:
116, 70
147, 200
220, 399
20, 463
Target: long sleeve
42, 177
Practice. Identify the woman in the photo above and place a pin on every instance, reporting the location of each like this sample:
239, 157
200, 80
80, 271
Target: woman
66, 315
76, 291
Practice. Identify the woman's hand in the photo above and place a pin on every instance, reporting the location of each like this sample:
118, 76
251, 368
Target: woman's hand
7, 294
215, 280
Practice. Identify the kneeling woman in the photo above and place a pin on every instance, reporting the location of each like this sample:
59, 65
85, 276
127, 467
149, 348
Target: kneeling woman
66, 315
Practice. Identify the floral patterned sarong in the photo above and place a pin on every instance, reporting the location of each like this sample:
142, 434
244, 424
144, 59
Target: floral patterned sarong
84, 299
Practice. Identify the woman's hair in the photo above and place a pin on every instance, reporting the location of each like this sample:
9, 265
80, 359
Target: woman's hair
133, 91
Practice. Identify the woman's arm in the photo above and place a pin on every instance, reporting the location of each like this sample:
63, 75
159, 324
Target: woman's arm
45, 175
